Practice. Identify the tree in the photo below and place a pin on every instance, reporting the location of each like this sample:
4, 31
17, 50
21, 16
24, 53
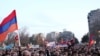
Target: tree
24, 36
10, 38
33, 39
40, 39
76, 40
85, 38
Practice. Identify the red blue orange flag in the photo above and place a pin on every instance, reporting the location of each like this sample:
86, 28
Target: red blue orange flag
9, 24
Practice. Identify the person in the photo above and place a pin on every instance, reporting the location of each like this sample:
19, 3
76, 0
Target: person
26, 53
47, 52
32, 53
14, 54
41, 53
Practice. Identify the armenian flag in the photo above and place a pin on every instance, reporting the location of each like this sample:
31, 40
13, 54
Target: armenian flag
8, 25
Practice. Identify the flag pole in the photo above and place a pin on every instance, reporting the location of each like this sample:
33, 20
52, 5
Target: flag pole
19, 43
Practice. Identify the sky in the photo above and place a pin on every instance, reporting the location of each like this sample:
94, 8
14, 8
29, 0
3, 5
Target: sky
44, 16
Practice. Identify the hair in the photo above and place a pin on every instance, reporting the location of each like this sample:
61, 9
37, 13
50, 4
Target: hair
26, 52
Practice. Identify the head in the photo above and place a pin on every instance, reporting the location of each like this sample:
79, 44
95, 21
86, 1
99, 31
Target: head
14, 54
26, 53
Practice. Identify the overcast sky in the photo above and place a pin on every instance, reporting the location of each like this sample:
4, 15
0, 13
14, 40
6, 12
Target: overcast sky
50, 15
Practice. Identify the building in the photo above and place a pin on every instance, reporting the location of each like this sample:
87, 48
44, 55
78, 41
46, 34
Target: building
52, 36
66, 35
57, 36
94, 24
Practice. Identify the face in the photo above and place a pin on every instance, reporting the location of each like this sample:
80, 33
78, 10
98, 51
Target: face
14, 54
66, 54
99, 51
36, 54
27, 54
32, 54
8, 55
41, 55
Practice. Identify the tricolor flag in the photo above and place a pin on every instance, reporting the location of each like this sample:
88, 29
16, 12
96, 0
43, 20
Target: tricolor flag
9, 24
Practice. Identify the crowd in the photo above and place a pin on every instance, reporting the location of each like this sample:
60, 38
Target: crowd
71, 50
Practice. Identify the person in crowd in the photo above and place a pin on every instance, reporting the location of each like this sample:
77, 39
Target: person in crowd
74, 50
26, 53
